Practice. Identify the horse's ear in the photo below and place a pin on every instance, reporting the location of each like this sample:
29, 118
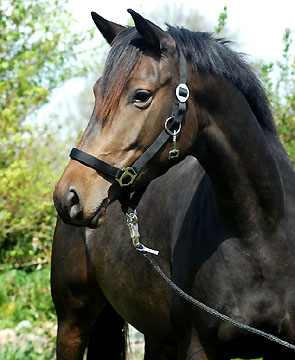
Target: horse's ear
157, 38
108, 29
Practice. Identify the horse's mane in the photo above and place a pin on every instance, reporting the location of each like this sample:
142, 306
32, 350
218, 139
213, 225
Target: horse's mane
210, 55
206, 54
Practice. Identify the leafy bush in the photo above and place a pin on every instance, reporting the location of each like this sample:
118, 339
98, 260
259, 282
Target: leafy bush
26, 210
25, 295
38, 52
29, 352
279, 81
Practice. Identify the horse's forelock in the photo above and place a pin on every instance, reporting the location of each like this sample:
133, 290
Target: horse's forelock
123, 57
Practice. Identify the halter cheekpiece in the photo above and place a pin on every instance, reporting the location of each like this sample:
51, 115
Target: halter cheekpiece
127, 175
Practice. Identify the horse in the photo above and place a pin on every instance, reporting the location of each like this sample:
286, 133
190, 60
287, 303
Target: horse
219, 205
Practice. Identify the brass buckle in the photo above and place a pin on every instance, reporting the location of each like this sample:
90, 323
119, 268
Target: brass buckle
127, 172
174, 153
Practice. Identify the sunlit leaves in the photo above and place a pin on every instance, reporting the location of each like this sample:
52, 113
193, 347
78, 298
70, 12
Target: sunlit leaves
279, 80
221, 21
38, 51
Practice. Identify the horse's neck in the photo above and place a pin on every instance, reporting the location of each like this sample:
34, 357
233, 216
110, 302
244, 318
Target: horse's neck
233, 150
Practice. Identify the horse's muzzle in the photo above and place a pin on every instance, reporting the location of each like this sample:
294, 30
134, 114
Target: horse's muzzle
70, 205
70, 209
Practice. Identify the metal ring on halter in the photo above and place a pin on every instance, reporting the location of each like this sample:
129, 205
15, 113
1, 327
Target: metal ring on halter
175, 132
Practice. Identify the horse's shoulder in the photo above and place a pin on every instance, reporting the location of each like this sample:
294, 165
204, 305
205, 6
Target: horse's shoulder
204, 229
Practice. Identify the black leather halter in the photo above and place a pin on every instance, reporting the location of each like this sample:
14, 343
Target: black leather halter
126, 176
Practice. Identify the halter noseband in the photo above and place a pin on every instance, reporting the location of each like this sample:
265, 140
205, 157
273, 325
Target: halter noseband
127, 175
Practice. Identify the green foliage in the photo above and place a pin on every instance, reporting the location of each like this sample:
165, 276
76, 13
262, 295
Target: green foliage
28, 352
36, 43
38, 52
25, 296
26, 210
279, 81
221, 21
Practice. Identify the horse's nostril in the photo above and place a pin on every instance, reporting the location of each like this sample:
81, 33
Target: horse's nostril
74, 202
72, 198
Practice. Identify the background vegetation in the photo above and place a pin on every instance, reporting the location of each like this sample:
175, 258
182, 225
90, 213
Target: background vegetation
279, 82
39, 52
36, 44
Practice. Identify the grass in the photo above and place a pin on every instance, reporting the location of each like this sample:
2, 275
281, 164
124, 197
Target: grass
25, 295
28, 352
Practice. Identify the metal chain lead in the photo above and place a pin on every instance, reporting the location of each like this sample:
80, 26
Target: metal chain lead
213, 311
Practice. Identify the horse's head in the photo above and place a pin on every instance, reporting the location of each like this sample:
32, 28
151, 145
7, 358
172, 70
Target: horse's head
133, 99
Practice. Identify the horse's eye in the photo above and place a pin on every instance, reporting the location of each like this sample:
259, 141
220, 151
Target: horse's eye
142, 96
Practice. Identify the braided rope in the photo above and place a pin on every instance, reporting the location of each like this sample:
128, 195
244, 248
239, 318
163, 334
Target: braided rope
212, 311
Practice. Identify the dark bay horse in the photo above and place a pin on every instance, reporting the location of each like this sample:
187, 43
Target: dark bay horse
226, 237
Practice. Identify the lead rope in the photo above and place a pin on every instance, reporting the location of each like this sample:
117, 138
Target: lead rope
132, 223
